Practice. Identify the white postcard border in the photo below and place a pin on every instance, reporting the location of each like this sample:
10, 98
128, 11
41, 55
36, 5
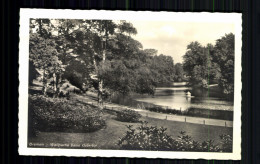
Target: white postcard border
26, 14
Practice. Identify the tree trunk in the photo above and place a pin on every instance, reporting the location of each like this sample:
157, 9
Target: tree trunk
58, 82
54, 84
100, 93
44, 79
44, 82
101, 82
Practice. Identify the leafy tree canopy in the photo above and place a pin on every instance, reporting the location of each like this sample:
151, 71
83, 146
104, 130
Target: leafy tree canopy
211, 64
79, 50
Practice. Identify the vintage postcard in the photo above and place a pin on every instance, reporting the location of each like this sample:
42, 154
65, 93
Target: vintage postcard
130, 84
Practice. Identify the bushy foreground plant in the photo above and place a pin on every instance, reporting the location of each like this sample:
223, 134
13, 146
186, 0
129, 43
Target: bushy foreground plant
146, 138
55, 114
226, 142
128, 115
153, 138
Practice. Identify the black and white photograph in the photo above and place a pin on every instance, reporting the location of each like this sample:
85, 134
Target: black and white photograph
130, 84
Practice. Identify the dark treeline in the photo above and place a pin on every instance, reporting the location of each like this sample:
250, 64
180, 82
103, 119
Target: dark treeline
99, 54
211, 65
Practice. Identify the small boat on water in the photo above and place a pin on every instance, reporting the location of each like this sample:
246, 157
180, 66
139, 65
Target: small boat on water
188, 94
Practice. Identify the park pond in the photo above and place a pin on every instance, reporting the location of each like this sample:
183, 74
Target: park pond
175, 98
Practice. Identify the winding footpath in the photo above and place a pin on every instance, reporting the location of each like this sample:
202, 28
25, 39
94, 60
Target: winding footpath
146, 113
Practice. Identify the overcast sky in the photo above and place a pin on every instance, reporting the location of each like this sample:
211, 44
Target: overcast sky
172, 38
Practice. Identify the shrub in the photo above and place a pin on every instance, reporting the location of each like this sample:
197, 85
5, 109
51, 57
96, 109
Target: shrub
162, 110
153, 138
186, 143
54, 114
128, 115
226, 142
199, 112
215, 114
146, 138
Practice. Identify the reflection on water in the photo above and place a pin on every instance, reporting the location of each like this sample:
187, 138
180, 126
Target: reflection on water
175, 98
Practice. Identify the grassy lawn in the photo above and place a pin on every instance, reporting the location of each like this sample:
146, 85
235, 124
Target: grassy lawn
107, 137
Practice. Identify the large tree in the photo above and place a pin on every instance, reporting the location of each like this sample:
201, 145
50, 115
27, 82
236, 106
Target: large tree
224, 57
196, 64
43, 53
179, 72
211, 64
95, 43
75, 46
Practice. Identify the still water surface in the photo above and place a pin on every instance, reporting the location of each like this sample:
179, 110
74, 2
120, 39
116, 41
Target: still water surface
175, 98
